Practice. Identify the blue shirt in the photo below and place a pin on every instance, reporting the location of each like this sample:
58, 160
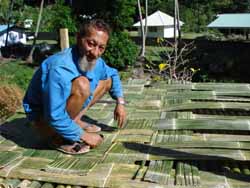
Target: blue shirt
50, 88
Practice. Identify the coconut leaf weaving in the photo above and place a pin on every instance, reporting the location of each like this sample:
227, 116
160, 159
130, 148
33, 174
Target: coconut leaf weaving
159, 172
71, 165
209, 105
203, 124
176, 134
8, 157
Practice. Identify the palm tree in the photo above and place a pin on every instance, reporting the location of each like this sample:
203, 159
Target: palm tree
30, 57
143, 29
176, 28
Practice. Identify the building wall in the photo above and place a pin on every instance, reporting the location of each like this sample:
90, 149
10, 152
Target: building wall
162, 32
153, 32
169, 32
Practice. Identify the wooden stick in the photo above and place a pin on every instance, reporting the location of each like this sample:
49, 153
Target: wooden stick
64, 38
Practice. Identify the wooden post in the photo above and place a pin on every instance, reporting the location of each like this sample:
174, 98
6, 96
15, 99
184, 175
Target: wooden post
64, 38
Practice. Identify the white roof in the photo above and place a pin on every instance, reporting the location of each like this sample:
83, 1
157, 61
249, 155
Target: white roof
158, 19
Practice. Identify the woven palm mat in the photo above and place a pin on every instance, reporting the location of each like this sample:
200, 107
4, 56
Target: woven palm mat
175, 135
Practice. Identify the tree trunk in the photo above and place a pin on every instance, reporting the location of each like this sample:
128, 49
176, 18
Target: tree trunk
144, 29
173, 69
178, 21
30, 57
146, 24
0, 54
142, 53
9, 18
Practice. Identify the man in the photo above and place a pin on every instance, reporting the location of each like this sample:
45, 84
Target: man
67, 84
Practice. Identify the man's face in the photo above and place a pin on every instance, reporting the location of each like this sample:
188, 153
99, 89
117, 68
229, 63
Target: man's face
91, 47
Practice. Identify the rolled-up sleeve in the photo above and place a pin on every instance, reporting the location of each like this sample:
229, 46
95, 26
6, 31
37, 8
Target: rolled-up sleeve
116, 88
55, 98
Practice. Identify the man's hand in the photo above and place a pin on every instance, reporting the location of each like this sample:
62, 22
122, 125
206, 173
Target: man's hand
92, 139
120, 115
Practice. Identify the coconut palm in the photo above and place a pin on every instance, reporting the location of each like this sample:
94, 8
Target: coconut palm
30, 57
143, 29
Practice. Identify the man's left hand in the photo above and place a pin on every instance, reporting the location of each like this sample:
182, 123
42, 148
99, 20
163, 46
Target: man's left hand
120, 115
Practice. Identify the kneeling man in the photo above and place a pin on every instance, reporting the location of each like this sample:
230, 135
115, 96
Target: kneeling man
67, 84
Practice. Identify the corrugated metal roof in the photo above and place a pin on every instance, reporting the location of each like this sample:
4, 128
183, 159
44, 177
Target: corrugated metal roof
158, 19
239, 20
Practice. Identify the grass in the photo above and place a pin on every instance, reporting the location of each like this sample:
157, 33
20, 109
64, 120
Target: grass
14, 80
153, 53
15, 72
192, 35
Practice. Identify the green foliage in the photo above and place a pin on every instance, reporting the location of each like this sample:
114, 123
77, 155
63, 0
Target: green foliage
59, 16
163, 5
15, 73
189, 20
241, 6
198, 14
4, 11
118, 13
72, 40
121, 52
5, 7
121, 13
125, 75
27, 13
54, 17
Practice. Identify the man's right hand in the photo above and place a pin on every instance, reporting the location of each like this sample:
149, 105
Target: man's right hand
92, 139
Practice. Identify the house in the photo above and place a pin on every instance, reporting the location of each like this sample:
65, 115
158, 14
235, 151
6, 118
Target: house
16, 35
159, 25
236, 21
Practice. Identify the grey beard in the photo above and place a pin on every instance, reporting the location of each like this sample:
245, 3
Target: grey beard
85, 65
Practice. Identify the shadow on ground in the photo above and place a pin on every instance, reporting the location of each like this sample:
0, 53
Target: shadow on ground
21, 133
165, 152
24, 135
104, 127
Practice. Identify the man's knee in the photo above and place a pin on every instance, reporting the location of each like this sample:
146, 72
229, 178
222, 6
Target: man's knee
80, 87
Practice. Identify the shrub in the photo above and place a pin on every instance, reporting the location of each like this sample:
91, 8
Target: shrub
10, 100
125, 75
55, 16
121, 51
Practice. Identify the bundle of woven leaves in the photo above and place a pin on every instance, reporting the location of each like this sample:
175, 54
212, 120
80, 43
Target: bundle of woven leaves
10, 100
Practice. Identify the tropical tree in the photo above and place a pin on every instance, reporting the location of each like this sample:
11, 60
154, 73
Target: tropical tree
4, 11
118, 13
241, 6
143, 28
30, 57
